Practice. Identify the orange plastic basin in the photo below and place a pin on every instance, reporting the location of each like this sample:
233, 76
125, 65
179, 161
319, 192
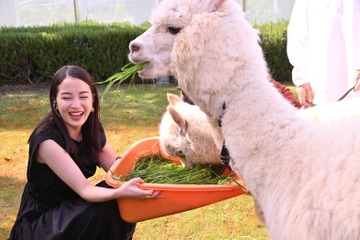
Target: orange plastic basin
178, 197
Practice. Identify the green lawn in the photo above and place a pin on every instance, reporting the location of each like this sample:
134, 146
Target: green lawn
128, 115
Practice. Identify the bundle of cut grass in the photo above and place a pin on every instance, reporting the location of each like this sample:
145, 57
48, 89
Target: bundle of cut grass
157, 169
128, 71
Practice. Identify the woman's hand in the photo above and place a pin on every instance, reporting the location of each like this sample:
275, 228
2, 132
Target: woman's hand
305, 95
130, 189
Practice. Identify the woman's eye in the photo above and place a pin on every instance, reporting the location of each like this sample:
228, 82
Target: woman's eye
174, 30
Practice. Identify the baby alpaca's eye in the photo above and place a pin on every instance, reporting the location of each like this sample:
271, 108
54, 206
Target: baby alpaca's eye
174, 30
179, 153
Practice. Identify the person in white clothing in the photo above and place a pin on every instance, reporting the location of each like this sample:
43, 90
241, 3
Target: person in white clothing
323, 45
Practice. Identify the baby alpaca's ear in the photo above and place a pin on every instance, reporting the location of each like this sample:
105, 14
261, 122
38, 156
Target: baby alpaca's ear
178, 119
173, 99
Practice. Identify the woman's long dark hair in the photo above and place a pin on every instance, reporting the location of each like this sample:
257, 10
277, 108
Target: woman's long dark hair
91, 127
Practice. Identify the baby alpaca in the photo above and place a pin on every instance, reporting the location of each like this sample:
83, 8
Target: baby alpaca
185, 132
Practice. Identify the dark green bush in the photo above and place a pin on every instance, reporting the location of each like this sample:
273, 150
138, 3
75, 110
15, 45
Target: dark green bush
273, 41
33, 54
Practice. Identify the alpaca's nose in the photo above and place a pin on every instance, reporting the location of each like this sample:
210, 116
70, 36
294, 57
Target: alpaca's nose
134, 47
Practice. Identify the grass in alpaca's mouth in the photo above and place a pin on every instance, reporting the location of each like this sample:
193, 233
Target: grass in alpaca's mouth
128, 71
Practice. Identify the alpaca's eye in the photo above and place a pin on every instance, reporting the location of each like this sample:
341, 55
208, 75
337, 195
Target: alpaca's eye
179, 153
174, 30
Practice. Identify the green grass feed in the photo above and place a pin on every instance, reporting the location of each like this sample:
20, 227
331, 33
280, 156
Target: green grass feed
157, 169
128, 71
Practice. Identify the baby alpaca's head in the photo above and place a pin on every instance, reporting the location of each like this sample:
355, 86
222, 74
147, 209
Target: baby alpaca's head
186, 133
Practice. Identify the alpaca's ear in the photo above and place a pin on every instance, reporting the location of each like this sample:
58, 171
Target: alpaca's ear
173, 99
178, 119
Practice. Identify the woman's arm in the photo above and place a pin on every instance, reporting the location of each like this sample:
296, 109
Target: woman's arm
65, 168
107, 157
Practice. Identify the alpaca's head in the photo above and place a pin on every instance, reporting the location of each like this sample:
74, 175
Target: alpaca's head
208, 46
168, 20
185, 133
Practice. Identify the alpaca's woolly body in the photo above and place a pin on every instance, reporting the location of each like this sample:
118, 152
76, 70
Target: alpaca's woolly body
303, 175
333, 112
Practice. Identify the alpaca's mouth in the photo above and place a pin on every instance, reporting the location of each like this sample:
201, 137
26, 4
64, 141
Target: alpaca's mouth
146, 71
152, 69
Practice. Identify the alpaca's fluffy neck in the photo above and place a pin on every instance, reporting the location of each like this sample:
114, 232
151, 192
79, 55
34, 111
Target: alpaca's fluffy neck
259, 113
258, 120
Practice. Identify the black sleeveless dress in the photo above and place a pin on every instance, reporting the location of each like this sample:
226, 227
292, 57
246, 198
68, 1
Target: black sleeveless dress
49, 209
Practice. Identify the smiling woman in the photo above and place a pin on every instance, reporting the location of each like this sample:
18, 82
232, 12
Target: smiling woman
66, 147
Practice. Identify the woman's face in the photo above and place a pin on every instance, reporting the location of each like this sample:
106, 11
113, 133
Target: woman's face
74, 101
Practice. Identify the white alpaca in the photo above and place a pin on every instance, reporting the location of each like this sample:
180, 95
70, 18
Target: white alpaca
304, 175
185, 132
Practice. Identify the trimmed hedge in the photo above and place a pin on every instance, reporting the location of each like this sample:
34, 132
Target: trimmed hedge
273, 41
33, 54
